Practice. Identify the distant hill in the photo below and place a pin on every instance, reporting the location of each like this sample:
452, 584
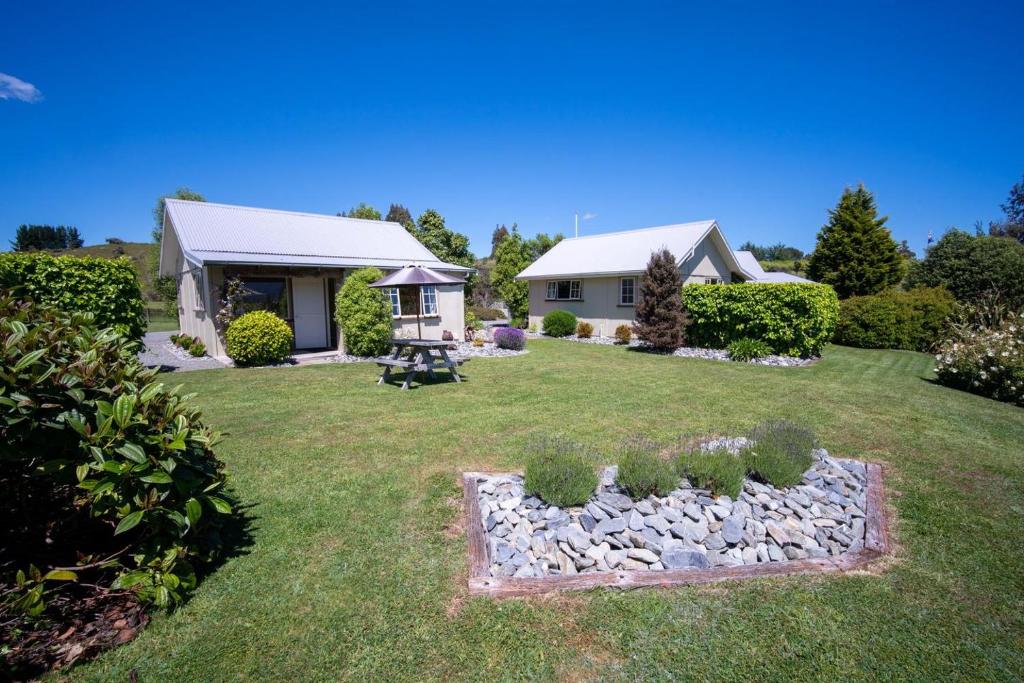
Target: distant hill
140, 254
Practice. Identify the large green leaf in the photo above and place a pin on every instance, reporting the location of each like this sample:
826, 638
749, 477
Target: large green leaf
124, 406
133, 452
194, 510
157, 477
130, 521
28, 359
219, 504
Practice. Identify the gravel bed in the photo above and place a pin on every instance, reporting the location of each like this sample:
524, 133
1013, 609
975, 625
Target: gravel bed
823, 516
687, 351
464, 350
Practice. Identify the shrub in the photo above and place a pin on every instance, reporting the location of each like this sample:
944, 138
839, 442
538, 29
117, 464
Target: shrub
642, 473
364, 314
185, 342
559, 473
519, 323
510, 338
780, 453
258, 338
911, 320
107, 288
478, 342
794, 319
984, 354
660, 319
746, 349
718, 471
559, 323
623, 335
487, 313
99, 459
973, 268
584, 330
197, 349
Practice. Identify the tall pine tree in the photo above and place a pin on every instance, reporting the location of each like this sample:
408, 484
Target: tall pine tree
855, 252
659, 309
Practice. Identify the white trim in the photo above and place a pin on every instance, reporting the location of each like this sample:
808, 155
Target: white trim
632, 290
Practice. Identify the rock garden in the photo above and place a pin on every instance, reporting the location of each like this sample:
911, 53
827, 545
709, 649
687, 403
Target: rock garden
771, 497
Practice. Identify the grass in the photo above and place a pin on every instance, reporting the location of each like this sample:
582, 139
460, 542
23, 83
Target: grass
357, 567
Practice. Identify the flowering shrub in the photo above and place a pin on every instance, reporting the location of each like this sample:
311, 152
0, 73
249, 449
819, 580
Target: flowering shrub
985, 357
510, 338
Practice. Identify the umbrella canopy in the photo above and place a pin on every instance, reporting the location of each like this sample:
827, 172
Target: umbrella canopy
416, 275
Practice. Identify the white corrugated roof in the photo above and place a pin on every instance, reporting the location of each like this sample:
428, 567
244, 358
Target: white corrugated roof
622, 252
752, 266
222, 233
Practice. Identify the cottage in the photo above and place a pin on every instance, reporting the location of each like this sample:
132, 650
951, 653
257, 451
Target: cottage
597, 277
293, 264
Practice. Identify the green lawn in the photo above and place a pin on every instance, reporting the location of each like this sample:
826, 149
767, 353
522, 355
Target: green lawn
157, 319
357, 566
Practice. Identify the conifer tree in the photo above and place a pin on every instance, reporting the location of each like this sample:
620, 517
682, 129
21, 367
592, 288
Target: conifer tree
855, 252
659, 308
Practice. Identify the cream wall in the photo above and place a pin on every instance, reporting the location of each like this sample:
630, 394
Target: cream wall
451, 316
600, 295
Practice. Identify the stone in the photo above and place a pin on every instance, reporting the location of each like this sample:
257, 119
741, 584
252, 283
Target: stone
714, 541
692, 510
512, 517
579, 541
775, 554
490, 522
794, 553
778, 534
588, 522
511, 503
732, 528
688, 529
552, 512
582, 562
614, 558
615, 500
684, 558
524, 572
720, 511
633, 565
610, 526
519, 559
644, 507
749, 555
635, 520
762, 553
657, 522
532, 502
596, 512
642, 554
598, 554
566, 565
503, 552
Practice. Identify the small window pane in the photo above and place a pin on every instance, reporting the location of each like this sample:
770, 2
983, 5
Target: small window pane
409, 299
552, 290
429, 300
574, 289
626, 289
396, 305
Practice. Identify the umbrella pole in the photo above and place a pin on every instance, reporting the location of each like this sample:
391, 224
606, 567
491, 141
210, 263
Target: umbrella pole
419, 304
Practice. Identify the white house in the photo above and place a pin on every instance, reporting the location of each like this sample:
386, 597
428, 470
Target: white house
293, 264
597, 277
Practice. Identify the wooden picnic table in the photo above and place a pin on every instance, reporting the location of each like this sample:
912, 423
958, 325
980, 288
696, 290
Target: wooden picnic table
420, 357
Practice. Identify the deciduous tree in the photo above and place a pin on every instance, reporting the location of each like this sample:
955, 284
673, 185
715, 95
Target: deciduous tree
512, 256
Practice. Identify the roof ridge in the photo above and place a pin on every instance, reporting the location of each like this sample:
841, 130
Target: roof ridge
634, 230
285, 211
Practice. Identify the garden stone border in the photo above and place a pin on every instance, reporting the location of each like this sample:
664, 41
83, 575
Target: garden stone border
876, 546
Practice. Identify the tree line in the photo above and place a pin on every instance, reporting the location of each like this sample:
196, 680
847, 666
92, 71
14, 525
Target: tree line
39, 237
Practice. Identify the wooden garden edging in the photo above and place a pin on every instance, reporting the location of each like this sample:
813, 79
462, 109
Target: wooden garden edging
876, 545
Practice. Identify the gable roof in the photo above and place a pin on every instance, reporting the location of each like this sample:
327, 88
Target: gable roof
224, 234
625, 252
752, 266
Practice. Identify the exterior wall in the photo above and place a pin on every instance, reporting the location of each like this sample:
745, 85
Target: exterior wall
195, 317
600, 295
451, 316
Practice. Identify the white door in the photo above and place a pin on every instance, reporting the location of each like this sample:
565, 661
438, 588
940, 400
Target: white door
309, 303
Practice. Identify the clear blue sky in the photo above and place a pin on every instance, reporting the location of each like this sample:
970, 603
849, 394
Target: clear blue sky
637, 114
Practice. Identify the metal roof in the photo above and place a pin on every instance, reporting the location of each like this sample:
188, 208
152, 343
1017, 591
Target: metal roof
226, 234
751, 265
625, 252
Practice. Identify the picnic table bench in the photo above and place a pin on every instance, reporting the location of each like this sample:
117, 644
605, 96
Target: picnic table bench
420, 358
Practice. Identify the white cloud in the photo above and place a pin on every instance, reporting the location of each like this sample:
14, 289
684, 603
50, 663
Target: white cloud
12, 88
589, 216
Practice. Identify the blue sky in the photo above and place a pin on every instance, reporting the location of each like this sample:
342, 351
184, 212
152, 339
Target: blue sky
636, 114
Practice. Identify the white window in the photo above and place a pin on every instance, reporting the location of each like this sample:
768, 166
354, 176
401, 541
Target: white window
712, 280
627, 291
564, 290
396, 304
197, 280
428, 302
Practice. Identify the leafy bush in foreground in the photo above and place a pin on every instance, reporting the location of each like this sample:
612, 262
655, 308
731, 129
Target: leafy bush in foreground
559, 323
258, 338
912, 320
100, 461
984, 354
718, 471
107, 288
510, 338
364, 314
794, 319
780, 453
642, 473
584, 330
559, 472
744, 350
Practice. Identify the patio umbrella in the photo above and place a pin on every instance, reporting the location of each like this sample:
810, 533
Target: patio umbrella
416, 276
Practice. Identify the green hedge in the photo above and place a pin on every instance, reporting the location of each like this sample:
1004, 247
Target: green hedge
911, 320
559, 323
258, 338
364, 314
107, 288
794, 319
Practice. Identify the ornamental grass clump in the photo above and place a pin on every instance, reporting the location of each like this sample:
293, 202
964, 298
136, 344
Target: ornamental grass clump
258, 338
623, 335
746, 349
641, 472
984, 354
780, 453
510, 338
718, 470
560, 473
559, 323
584, 330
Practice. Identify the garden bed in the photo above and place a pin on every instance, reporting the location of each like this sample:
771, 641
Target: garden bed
687, 351
832, 521
463, 350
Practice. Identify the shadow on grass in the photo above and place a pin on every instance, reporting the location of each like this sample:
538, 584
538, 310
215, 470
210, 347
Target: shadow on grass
235, 535
422, 380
